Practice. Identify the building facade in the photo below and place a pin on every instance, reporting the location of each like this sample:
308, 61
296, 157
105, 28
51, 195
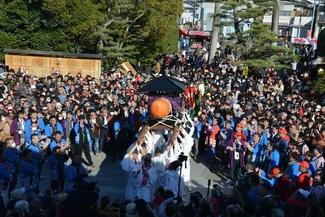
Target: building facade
298, 21
197, 15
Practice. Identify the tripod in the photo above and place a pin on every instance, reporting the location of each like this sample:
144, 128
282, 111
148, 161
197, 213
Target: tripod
181, 158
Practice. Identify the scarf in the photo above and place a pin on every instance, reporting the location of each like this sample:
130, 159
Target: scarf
145, 178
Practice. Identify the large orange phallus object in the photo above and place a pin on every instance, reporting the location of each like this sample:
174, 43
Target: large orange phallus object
160, 108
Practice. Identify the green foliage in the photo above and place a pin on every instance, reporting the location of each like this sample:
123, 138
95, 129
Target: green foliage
235, 12
160, 29
257, 49
254, 47
319, 84
118, 35
139, 31
132, 30
59, 25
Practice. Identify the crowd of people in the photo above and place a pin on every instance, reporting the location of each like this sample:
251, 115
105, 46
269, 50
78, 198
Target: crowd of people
266, 129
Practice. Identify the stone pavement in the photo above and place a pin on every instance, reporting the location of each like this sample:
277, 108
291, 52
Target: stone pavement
112, 179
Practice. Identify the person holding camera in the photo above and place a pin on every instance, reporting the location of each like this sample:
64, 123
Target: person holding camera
236, 149
82, 139
52, 127
33, 124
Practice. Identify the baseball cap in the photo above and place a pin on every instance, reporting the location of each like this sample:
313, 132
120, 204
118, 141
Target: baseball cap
304, 164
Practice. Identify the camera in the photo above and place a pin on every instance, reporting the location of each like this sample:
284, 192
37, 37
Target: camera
182, 157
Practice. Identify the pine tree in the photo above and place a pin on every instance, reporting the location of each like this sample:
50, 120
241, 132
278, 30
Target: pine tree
258, 52
138, 30
118, 36
254, 47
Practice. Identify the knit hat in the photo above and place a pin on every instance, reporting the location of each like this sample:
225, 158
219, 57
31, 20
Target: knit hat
21, 206
304, 164
131, 210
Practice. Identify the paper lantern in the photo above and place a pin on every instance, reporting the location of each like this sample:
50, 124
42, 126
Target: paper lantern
160, 108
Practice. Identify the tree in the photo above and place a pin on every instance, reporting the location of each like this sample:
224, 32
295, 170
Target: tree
77, 20
138, 31
133, 30
235, 12
254, 47
160, 28
319, 84
258, 52
59, 25
118, 35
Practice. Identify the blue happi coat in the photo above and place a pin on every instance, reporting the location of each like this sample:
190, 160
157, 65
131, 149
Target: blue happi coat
73, 173
53, 159
28, 128
76, 130
28, 173
12, 159
48, 129
36, 152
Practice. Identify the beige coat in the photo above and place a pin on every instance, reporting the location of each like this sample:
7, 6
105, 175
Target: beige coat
4, 130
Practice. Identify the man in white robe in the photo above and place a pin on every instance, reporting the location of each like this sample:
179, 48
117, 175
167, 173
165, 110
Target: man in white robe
170, 178
149, 141
146, 180
186, 142
160, 160
158, 139
131, 164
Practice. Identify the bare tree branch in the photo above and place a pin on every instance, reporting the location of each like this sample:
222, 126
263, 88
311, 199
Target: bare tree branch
124, 38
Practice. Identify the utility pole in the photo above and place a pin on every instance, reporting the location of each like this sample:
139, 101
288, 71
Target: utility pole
194, 13
215, 30
275, 17
313, 20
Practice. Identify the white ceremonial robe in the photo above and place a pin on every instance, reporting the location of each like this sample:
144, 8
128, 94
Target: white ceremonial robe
158, 140
186, 143
131, 168
145, 192
150, 145
175, 152
169, 181
159, 163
